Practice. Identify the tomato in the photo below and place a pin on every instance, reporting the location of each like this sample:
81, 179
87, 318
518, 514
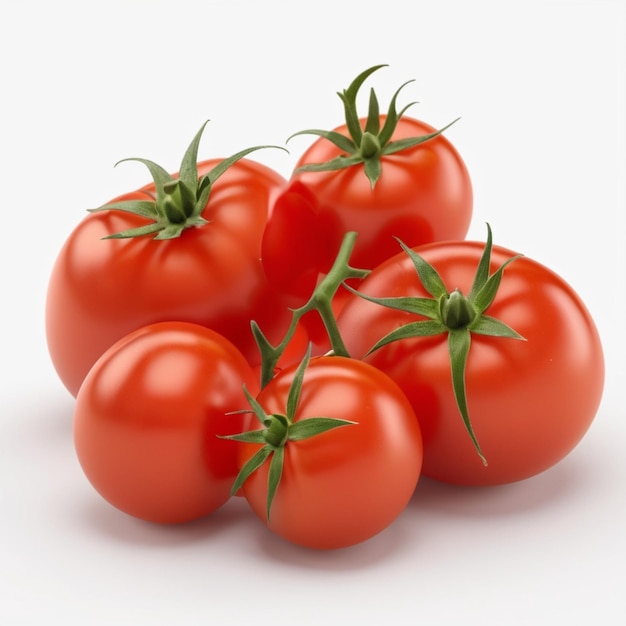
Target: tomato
211, 274
342, 486
529, 402
421, 192
148, 416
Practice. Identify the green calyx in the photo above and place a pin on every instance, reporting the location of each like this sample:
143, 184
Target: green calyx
278, 429
179, 201
320, 301
366, 145
454, 314
277, 432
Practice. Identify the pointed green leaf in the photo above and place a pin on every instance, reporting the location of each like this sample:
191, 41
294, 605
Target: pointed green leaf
257, 409
250, 436
410, 142
273, 477
485, 325
349, 97
189, 166
486, 294
159, 175
253, 464
338, 163
372, 124
409, 304
373, 169
392, 118
204, 191
222, 166
195, 221
354, 87
459, 341
482, 271
427, 328
428, 275
293, 397
140, 231
204, 185
341, 141
145, 208
170, 231
405, 108
312, 426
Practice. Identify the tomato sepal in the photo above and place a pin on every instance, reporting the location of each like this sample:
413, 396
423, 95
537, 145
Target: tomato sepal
179, 200
366, 145
277, 432
452, 313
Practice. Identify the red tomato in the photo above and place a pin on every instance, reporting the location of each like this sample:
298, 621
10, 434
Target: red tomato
379, 186
530, 402
148, 416
424, 194
102, 289
343, 486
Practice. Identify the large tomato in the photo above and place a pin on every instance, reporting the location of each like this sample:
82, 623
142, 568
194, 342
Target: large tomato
148, 418
380, 176
528, 402
102, 288
337, 487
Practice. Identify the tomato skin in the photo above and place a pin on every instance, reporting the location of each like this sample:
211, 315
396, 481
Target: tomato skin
344, 486
530, 402
102, 289
424, 194
147, 418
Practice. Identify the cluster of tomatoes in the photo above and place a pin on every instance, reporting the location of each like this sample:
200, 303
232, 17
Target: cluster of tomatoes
317, 344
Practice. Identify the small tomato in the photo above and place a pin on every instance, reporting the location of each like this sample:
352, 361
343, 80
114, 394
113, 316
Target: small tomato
343, 451
148, 416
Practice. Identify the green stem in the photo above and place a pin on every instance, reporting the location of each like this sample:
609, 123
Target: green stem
320, 301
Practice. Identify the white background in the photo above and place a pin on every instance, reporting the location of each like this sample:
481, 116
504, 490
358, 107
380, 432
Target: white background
540, 88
